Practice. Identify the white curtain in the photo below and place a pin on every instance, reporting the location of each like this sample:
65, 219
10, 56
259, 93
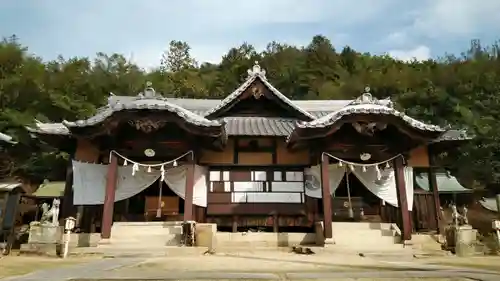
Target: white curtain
313, 179
385, 187
89, 183
175, 178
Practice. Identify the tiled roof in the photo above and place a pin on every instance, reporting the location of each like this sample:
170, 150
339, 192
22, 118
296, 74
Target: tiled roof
49, 128
6, 138
151, 103
445, 183
453, 135
256, 73
259, 126
323, 113
9, 186
366, 104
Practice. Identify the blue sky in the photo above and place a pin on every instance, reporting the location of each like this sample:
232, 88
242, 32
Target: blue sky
142, 29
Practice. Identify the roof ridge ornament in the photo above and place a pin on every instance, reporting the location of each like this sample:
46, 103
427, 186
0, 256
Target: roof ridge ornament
367, 98
256, 70
149, 92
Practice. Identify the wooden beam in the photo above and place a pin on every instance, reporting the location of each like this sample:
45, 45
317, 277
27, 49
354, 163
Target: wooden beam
402, 200
327, 198
109, 198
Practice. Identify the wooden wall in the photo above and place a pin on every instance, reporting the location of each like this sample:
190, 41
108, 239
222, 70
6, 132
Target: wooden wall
86, 151
273, 151
419, 157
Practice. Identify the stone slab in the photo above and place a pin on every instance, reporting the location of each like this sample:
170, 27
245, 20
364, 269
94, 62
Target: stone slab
40, 233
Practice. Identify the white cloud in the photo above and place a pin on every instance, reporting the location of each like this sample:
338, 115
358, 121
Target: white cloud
144, 28
419, 53
456, 17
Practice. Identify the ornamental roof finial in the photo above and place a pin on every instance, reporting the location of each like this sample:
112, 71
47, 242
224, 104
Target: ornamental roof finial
149, 92
257, 70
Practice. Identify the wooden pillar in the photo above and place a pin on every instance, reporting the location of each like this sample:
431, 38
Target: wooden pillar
402, 200
276, 223
188, 200
327, 197
109, 198
68, 208
435, 191
235, 224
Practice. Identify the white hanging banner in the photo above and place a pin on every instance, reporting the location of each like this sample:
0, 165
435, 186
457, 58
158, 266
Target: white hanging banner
89, 182
385, 187
313, 179
175, 178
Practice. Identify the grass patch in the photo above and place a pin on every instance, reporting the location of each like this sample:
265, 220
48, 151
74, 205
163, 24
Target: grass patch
21, 265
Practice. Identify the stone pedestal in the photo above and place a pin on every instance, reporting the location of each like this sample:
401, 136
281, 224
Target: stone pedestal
43, 239
44, 234
466, 241
461, 240
206, 235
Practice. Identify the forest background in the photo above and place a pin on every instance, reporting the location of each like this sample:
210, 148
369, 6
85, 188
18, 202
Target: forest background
462, 92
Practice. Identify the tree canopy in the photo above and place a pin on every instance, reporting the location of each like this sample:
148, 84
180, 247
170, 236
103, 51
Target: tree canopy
458, 91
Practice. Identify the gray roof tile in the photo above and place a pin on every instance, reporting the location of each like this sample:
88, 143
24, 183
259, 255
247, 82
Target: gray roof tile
259, 126
453, 135
6, 138
139, 103
366, 104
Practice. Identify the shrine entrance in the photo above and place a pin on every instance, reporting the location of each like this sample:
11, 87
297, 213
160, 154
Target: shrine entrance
157, 202
365, 206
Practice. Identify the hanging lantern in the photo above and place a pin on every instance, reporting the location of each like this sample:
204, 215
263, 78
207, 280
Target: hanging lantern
364, 168
175, 163
149, 169
387, 165
125, 163
340, 163
135, 168
351, 167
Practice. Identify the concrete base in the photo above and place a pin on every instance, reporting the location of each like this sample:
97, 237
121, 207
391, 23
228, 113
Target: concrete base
44, 233
206, 235
42, 249
466, 241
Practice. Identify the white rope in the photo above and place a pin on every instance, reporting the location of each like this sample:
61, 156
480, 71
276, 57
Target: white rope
359, 164
174, 161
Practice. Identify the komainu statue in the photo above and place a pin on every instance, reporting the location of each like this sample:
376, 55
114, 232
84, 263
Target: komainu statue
50, 215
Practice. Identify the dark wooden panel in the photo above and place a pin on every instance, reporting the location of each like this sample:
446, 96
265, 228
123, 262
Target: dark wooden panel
256, 209
169, 205
218, 198
424, 214
240, 175
218, 186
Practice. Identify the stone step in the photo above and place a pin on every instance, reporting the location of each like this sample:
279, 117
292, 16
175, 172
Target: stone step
364, 232
143, 233
384, 242
360, 226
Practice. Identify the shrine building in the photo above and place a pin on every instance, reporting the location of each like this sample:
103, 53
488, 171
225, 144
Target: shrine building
253, 160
